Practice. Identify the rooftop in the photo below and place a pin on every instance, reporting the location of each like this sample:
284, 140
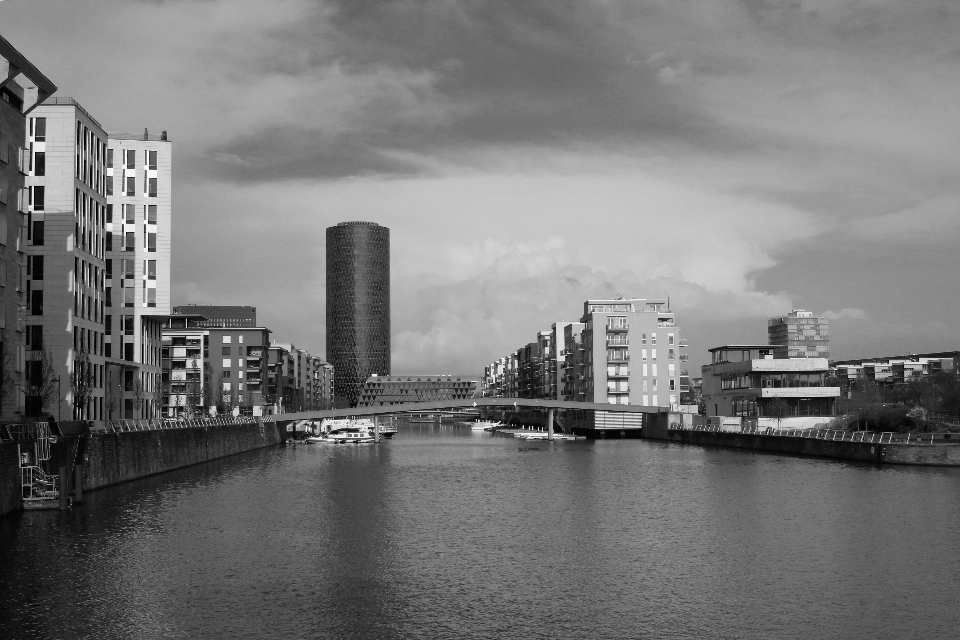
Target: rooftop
70, 102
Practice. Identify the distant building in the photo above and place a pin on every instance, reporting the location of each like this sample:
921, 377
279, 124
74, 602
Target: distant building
800, 334
65, 231
896, 370
747, 382
389, 390
573, 361
17, 160
221, 315
358, 306
298, 381
139, 186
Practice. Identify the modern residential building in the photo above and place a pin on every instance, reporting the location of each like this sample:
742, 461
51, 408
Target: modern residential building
65, 258
748, 382
573, 359
297, 380
138, 249
358, 306
220, 367
800, 334
16, 102
388, 390
891, 371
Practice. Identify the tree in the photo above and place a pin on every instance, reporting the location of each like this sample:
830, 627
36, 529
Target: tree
42, 384
219, 399
111, 401
82, 382
157, 398
209, 393
194, 389
777, 408
139, 394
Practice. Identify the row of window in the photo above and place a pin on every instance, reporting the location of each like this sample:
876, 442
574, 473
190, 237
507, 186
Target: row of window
127, 241
127, 268
130, 186
129, 159
128, 213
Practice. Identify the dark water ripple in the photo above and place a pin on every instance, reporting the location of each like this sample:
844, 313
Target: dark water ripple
461, 535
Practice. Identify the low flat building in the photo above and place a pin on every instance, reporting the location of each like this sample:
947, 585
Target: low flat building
389, 390
747, 382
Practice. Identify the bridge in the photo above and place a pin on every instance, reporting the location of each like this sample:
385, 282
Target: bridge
551, 406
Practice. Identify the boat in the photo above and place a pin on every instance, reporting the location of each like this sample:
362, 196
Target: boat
484, 425
345, 431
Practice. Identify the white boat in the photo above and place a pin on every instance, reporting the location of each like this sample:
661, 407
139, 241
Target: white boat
484, 425
344, 431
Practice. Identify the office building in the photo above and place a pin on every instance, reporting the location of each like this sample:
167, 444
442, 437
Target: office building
16, 103
800, 334
748, 384
388, 390
65, 266
139, 221
221, 315
358, 306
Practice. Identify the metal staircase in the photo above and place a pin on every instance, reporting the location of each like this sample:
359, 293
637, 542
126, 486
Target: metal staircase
40, 489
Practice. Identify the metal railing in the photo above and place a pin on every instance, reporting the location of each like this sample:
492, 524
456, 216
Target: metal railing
839, 435
159, 424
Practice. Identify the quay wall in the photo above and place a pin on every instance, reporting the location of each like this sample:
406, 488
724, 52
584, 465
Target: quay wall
940, 454
113, 458
9, 478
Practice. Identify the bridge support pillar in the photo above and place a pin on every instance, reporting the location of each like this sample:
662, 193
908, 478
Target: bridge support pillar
549, 424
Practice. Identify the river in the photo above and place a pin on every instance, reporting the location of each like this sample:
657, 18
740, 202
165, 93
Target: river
443, 533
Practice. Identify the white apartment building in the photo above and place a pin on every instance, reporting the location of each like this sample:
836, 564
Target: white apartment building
631, 353
64, 249
138, 236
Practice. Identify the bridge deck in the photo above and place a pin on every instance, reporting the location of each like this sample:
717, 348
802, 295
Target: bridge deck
469, 403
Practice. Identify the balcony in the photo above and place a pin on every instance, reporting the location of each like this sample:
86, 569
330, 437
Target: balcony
684, 357
618, 391
666, 323
683, 343
625, 342
623, 327
623, 372
620, 357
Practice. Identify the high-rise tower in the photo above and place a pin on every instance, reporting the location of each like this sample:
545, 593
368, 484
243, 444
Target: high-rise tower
358, 306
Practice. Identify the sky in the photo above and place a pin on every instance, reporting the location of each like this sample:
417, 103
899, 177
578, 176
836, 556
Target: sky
743, 157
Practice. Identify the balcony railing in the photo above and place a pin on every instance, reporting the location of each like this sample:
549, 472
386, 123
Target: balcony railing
618, 391
618, 341
622, 373
683, 343
623, 327
684, 357
622, 357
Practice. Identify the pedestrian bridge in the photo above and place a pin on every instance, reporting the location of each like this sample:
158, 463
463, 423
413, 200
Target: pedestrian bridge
588, 416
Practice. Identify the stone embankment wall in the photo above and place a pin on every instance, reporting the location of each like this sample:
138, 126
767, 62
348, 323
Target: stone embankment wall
113, 458
939, 454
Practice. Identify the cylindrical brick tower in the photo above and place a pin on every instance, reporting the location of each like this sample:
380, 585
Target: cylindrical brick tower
358, 306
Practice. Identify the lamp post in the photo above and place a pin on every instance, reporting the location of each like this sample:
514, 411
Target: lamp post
59, 398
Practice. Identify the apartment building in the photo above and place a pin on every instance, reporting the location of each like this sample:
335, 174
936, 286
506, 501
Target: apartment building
65, 257
221, 315
895, 370
800, 334
632, 352
297, 380
139, 219
573, 359
16, 103
748, 382
210, 368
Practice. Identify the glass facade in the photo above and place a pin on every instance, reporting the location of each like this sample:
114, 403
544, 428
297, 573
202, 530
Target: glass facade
358, 306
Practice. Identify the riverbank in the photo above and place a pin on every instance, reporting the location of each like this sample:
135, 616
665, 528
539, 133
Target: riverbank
121, 456
883, 448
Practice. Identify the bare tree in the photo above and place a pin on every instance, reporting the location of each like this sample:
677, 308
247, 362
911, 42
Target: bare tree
157, 398
209, 393
139, 394
43, 383
111, 401
82, 381
778, 409
218, 396
194, 390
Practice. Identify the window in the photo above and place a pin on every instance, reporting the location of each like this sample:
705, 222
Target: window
109, 213
38, 232
225, 351
152, 214
128, 296
128, 325
127, 268
643, 355
109, 186
152, 242
37, 196
226, 363
131, 159
152, 187
108, 325
128, 352
35, 337
129, 214
110, 158
151, 269
654, 372
653, 354
130, 241
40, 163
226, 375
109, 268
670, 338
151, 297
39, 127
108, 241
226, 339
37, 266
108, 296
152, 160
131, 186
653, 338
36, 303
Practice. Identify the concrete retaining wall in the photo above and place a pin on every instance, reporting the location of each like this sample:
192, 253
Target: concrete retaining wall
940, 454
120, 457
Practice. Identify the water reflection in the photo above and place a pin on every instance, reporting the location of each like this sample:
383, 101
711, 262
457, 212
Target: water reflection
445, 533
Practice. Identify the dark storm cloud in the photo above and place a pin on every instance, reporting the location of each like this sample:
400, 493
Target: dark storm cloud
500, 73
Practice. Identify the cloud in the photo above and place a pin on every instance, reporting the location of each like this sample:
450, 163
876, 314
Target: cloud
851, 313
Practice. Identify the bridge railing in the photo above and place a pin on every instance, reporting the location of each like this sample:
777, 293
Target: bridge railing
841, 435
